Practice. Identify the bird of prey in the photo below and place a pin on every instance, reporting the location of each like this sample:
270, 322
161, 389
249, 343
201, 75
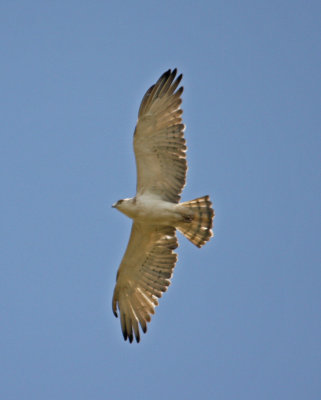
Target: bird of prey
147, 266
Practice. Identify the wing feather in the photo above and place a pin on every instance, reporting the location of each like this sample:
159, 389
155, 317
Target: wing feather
143, 276
159, 142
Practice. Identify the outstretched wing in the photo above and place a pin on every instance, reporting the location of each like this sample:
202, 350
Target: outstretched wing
144, 274
159, 142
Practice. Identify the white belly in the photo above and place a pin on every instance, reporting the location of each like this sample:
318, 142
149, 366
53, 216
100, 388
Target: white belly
153, 211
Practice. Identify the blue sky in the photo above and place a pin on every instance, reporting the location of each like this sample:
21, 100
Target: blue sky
241, 319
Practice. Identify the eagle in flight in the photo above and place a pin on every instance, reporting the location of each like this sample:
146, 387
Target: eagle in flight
160, 150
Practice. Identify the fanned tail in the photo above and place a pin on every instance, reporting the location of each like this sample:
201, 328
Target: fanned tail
198, 217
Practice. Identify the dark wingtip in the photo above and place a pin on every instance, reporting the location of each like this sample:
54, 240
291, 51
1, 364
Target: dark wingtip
179, 78
180, 91
166, 74
170, 72
174, 72
114, 308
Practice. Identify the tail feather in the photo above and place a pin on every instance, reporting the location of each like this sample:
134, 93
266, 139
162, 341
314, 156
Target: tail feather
198, 220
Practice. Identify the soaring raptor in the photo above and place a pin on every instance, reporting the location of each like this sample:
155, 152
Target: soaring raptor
160, 150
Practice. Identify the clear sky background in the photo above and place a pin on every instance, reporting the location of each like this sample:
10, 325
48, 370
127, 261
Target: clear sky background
241, 319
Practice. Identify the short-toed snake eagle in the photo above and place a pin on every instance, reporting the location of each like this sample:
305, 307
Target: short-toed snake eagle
160, 150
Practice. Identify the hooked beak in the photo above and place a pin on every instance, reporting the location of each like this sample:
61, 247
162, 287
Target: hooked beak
114, 205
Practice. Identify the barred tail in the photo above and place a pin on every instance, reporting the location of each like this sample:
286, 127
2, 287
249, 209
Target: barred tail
198, 217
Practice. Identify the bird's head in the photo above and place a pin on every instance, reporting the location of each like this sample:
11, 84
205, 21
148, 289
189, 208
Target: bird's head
118, 204
126, 206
